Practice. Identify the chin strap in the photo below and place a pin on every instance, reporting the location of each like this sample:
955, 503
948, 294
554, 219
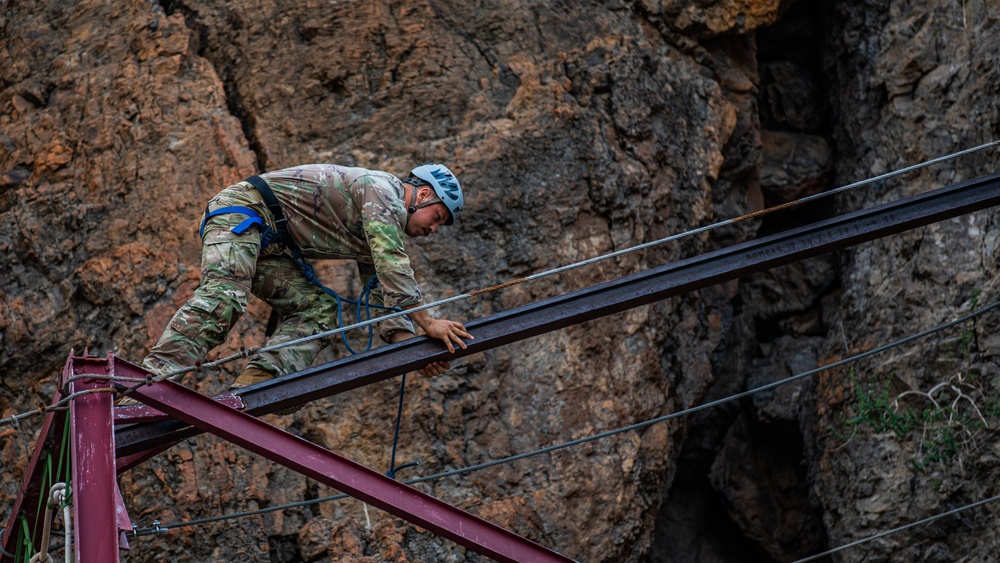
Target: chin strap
412, 208
413, 202
416, 183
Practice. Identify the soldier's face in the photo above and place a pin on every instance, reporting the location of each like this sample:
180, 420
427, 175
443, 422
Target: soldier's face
427, 220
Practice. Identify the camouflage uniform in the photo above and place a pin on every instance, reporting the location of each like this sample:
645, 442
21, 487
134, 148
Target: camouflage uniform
333, 212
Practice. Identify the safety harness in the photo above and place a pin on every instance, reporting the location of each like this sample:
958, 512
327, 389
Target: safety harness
281, 236
267, 235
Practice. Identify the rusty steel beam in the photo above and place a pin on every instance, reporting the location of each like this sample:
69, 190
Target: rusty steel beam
134, 414
336, 471
646, 287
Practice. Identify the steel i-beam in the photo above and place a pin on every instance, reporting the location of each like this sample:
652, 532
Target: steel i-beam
591, 303
96, 516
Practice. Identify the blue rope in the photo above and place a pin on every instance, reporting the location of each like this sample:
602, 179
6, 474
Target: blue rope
364, 299
395, 437
268, 236
3, 551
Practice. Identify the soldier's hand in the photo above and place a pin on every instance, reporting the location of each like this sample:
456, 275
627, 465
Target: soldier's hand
431, 370
451, 333
437, 368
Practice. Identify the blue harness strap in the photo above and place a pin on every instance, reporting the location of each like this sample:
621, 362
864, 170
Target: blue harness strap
284, 239
253, 218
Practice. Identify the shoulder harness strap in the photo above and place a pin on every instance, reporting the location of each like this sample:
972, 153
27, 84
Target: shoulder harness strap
280, 223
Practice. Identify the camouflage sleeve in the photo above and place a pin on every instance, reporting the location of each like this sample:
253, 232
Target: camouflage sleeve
385, 239
387, 327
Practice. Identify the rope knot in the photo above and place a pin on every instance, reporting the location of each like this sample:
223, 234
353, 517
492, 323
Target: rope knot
392, 472
57, 495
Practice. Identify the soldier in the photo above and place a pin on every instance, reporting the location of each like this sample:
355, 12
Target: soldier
319, 211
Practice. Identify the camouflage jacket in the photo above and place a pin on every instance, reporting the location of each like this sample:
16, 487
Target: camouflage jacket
338, 212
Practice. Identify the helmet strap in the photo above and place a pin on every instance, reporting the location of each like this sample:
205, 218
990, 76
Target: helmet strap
412, 208
413, 202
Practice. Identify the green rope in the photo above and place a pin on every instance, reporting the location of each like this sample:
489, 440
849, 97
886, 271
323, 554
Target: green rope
64, 455
25, 542
25, 549
43, 493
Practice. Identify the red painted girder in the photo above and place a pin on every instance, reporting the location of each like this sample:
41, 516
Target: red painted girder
337, 471
95, 488
134, 414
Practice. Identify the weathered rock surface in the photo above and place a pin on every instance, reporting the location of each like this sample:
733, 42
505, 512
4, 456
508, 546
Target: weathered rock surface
911, 83
577, 129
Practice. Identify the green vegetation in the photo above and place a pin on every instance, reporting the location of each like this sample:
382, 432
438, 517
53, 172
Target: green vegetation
874, 409
947, 416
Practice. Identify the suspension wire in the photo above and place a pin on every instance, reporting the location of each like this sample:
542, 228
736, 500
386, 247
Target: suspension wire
14, 420
721, 401
588, 261
246, 352
899, 529
571, 443
62, 404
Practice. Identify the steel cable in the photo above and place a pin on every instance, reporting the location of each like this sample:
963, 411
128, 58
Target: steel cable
13, 421
245, 352
899, 529
609, 433
596, 259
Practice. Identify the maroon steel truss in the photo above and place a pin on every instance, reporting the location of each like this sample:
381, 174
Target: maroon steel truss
100, 517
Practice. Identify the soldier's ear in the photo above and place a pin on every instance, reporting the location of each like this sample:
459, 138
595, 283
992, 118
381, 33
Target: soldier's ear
423, 194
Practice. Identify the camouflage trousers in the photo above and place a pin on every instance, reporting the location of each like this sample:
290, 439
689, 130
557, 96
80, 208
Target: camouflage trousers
233, 267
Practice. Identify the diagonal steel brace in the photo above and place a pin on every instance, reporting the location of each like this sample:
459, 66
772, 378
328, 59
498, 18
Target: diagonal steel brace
337, 471
26, 504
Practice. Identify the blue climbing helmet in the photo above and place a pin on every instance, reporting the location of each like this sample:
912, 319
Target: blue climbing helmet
445, 185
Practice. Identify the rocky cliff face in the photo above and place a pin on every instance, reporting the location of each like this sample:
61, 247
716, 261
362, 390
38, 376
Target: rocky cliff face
929, 75
577, 129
